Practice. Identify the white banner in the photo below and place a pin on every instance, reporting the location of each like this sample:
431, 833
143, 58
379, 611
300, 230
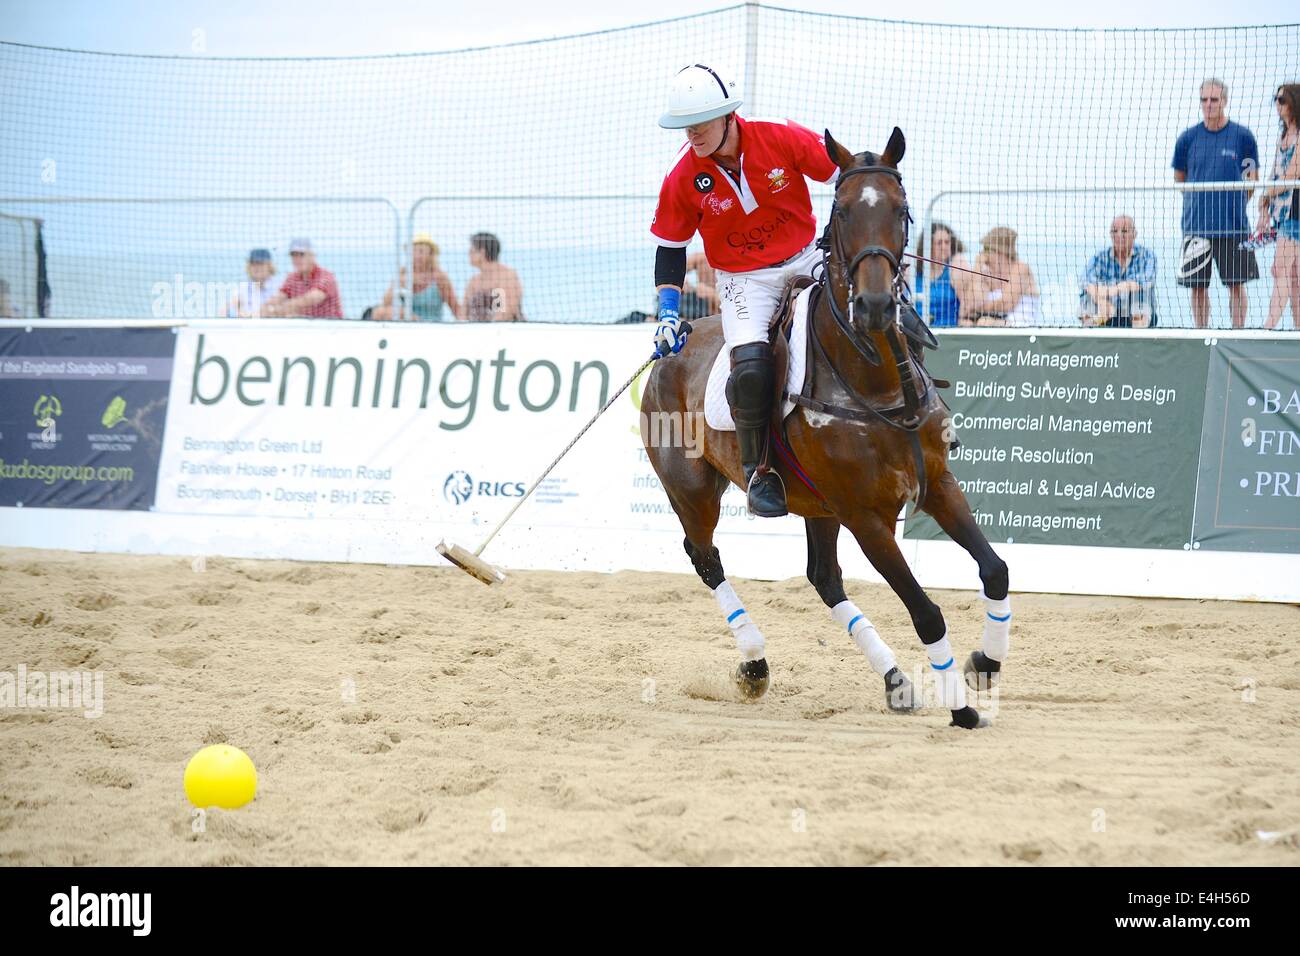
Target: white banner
442, 425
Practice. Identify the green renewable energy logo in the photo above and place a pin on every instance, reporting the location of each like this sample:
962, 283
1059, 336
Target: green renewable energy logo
46, 408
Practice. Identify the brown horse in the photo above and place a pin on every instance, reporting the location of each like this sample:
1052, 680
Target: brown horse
870, 435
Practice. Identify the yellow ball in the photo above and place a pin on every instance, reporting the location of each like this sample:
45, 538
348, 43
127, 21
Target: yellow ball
220, 776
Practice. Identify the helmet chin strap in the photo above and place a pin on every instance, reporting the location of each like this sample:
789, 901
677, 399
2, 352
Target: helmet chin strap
726, 131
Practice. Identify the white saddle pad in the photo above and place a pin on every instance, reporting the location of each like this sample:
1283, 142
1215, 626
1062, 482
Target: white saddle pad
717, 413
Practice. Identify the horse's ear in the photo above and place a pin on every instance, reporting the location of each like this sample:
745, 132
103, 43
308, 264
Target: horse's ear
840, 156
893, 153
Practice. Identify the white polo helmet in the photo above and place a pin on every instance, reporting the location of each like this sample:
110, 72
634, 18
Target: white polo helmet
698, 94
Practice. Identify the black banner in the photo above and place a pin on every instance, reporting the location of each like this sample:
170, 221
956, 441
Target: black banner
82, 413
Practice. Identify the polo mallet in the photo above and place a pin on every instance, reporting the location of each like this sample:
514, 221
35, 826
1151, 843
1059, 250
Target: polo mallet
470, 562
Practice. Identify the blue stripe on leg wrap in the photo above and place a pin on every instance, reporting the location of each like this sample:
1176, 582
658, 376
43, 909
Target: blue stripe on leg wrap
735, 614
854, 621
942, 667
994, 617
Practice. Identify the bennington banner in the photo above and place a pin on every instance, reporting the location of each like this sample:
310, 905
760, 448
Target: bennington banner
82, 413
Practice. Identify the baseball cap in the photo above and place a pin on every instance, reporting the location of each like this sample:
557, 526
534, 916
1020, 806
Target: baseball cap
259, 255
300, 245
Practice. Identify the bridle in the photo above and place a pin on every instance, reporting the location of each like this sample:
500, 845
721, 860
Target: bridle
915, 410
832, 248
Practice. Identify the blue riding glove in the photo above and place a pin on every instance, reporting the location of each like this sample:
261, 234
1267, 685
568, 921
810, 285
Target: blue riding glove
671, 334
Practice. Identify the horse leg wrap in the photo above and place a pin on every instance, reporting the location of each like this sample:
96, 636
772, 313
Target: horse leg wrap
997, 626
950, 684
864, 634
750, 392
749, 639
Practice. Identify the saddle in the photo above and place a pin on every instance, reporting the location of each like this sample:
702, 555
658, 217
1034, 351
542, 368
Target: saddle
778, 337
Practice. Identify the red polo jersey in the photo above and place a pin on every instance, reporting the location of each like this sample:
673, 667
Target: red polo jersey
761, 221
296, 285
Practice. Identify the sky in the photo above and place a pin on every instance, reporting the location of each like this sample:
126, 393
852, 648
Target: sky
334, 27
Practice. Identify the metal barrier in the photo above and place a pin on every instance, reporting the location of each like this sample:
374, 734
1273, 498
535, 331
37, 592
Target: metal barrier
603, 235
23, 294
1061, 253
84, 237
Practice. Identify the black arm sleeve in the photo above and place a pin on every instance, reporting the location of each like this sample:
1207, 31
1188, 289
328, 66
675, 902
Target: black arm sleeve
670, 266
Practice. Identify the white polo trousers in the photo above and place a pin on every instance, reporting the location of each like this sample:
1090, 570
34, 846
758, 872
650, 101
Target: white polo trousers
749, 299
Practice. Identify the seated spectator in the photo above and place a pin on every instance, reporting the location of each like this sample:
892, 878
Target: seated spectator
7, 308
701, 297
944, 292
430, 291
494, 293
310, 290
1119, 284
993, 302
254, 292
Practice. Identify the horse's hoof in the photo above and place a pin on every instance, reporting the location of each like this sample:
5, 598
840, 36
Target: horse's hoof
752, 678
900, 693
968, 718
981, 671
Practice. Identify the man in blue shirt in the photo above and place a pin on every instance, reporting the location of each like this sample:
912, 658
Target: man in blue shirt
1118, 283
1214, 223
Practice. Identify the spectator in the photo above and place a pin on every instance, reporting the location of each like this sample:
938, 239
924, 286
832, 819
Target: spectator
7, 309
255, 291
1214, 223
700, 299
1119, 283
1283, 206
943, 294
993, 302
310, 290
431, 288
494, 293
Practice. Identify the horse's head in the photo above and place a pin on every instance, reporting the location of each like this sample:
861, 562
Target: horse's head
868, 230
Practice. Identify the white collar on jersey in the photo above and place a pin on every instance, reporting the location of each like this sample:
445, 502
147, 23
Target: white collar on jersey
748, 201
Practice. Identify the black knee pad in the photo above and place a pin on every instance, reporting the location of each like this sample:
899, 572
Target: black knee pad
752, 381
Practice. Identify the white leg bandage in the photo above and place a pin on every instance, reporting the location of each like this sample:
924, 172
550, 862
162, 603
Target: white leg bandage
997, 626
749, 639
864, 634
949, 683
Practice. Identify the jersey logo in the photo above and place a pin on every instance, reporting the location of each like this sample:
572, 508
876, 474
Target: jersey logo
704, 183
776, 180
719, 206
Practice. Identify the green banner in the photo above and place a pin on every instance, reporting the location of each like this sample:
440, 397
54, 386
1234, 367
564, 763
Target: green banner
1249, 493
1074, 440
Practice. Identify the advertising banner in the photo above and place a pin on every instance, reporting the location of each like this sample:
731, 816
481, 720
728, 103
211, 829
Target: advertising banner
443, 426
1248, 496
1071, 440
82, 415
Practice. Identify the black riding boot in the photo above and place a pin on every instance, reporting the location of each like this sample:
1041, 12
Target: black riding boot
750, 390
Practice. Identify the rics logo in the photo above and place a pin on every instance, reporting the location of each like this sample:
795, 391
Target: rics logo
458, 487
